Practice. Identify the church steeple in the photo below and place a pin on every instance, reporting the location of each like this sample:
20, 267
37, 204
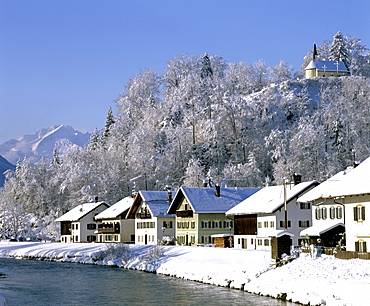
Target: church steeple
314, 52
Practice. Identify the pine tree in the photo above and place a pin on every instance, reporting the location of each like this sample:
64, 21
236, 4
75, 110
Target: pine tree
338, 49
108, 123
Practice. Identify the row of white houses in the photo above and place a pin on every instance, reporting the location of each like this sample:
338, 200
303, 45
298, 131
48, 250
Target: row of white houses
331, 213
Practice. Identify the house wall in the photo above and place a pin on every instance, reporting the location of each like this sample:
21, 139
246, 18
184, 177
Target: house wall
146, 231
268, 224
166, 227
126, 234
311, 73
197, 229
357, 232
80, 231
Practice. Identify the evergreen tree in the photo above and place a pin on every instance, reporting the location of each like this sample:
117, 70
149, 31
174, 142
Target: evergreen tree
338, 49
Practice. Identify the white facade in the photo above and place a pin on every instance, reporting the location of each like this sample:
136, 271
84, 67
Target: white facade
149, 229
358, 224
81, 222
270, 225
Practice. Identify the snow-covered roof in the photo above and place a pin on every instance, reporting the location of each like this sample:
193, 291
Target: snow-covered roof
204, 200
159, 208
280, 233
353, 181
327, 66
116, 209
149, 196
269, 199
157, 201
80, 211
320, 228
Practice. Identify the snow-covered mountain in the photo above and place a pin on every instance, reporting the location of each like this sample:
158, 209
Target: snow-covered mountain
42, 143
4, 165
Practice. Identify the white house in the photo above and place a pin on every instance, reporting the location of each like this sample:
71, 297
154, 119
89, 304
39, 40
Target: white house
343, 200
79, 225
113, 225
152, 223
262, 216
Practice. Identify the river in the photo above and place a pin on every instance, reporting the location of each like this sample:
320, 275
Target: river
38, 283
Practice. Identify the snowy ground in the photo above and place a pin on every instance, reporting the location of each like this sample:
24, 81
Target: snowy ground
323, 280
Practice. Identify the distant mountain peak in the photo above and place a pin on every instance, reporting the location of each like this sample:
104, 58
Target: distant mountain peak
42, 143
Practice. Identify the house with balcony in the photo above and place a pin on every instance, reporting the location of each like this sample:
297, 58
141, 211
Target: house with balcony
341, 207
153, 225
271, 213
79, 224
113, 225
200, 214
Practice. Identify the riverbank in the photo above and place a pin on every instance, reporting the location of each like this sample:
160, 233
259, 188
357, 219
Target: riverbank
323, 280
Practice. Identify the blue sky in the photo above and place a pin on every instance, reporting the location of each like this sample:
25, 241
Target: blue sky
65, 62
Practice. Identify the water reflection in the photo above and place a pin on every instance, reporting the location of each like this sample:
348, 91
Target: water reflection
53, 283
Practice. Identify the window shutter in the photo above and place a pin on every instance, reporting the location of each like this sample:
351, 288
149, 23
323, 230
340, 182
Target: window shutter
355, 216
362, 213
209, 224
357, 246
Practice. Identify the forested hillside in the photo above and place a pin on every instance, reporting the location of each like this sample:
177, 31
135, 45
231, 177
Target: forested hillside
239, 124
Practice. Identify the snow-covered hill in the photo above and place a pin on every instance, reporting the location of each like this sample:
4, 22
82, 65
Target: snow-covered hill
42, 143
4, 165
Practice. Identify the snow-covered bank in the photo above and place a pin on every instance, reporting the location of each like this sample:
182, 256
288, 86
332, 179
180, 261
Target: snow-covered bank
322, 280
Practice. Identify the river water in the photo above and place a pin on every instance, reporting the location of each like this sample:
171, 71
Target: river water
37, 283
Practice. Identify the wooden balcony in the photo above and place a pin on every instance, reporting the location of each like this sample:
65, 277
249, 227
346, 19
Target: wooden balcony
143, 216
184, 213
108, 229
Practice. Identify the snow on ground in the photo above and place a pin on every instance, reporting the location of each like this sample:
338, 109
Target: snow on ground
323, 280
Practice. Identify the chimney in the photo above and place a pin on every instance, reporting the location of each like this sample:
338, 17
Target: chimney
297, 178
205, 183
218, 190
169, 193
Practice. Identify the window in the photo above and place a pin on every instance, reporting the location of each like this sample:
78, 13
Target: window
305, 223
318, 213
252, 240
332, 212
167, 224
76, 238
228, 224
205, 224
178, 224
360, 246
192, 224
339, 212
259, 224
359, 213
282, 223
266, 242
91, 238
259, 241
305, 205
91, 226
324, 213
272, 223
266, 224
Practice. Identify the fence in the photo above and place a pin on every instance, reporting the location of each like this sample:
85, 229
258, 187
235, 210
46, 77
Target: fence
338, 253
